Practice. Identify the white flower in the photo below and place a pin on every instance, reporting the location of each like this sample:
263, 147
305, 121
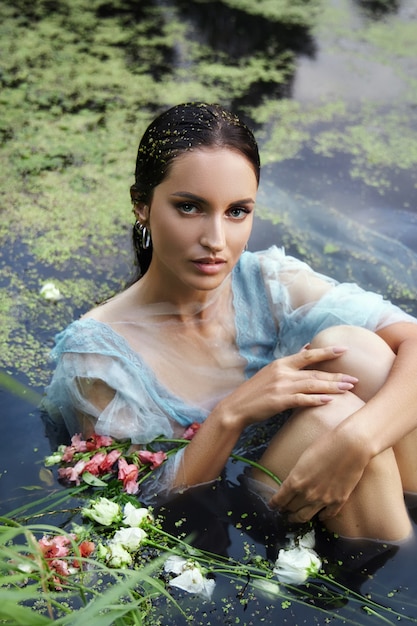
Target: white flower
78, 530
295, 565
50, 291
102, 552
26, 567
193, 581
175, 564
103, 511
269, 588
129, 538
308, 540
190, 577
118, 556
132, 516
53, 459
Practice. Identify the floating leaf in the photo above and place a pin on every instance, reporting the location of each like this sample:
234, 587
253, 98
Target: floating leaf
92, 480
46, 476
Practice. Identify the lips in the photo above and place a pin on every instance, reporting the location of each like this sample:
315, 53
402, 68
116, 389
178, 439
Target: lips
209, 265
210, 260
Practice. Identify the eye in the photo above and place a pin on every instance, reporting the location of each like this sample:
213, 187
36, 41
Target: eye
238, 213
187, 207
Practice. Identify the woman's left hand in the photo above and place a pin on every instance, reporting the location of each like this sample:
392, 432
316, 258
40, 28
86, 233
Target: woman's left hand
323, 478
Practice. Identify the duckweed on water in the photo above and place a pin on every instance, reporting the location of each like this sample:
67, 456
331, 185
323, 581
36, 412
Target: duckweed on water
298, 12
79, 83
379, 139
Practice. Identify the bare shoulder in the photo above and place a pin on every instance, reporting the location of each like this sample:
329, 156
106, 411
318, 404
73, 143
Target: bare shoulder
115, 309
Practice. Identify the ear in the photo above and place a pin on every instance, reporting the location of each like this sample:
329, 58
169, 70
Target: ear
141, 211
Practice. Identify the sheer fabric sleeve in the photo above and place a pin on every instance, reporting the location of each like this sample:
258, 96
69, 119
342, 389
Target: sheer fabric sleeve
305, 302
95, 380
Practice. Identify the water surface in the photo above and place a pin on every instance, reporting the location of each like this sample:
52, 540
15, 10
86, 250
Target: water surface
339, 146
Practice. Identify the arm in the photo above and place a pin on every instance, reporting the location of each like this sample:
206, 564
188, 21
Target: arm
332, 465
399, 394
98, 394
284, 383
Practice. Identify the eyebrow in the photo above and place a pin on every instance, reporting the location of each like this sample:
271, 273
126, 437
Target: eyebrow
192, 196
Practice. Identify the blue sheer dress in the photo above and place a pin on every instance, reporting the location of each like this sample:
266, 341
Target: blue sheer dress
278, 304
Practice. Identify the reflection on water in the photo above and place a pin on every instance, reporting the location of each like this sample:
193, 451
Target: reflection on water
238, 33
342, 245
377, 9
223, 519
342, 228
236, 38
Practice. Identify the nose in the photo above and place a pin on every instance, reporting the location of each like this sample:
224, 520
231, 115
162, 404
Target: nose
213, 236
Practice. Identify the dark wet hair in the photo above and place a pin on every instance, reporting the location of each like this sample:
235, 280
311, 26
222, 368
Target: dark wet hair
178, 130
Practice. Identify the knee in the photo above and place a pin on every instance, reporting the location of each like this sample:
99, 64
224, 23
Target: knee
354, 338
368, 357
382, 467
317, 421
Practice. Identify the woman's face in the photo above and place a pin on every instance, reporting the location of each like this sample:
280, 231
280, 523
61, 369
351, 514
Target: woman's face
200, 219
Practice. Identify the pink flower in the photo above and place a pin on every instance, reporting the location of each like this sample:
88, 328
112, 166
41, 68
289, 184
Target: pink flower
72, 474
110, 460
54, 551
131, 487
68, 454
191, 431
86, 548
79, 444
128, 473
54, 546
60, 567
155, 458
98, 441
94, 464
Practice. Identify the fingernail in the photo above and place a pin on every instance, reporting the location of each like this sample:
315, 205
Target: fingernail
306, 346
339, 349
350, 379
345, 386
325, 399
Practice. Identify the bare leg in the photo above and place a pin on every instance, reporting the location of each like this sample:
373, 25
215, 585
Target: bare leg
376, 507
370, 359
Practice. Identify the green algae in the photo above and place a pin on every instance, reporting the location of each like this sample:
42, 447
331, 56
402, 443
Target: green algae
290, 12
379, 138
288, 125
79, 83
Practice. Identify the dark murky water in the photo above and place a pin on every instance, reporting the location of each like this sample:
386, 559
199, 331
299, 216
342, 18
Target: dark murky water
326, 204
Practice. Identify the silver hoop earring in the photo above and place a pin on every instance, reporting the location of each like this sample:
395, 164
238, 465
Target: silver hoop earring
145, 235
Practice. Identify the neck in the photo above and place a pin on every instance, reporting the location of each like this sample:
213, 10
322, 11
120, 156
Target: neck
184, 305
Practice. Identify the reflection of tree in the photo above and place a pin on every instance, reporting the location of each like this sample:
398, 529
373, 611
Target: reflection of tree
378, 8
261, 48
237, 52
239, 33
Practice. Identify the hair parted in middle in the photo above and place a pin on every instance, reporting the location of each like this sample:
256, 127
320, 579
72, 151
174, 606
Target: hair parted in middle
181, 129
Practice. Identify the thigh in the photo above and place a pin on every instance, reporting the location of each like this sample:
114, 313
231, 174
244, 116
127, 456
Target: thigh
375, 508
368, 357
300, 430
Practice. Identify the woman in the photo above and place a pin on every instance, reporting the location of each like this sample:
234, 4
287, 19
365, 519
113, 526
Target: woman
227, 338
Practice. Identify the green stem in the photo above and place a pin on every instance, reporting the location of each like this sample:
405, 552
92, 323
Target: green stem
236, 457
257, 466
52, 499
349, 593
